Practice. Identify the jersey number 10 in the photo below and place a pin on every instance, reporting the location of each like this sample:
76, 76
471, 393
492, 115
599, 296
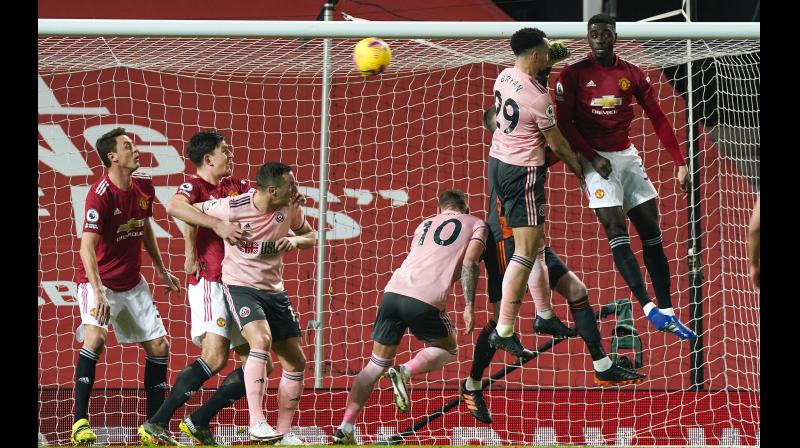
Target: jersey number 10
437, 235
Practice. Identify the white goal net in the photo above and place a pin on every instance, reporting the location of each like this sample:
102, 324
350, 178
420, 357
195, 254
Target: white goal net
396, 141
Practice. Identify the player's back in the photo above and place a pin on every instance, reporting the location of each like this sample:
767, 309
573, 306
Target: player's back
434, 261
524, 109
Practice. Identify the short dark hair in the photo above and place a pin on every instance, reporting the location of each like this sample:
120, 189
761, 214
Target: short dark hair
202, 143
488, 119
271, 174
108, 143
602, 18
526, 39
453, 199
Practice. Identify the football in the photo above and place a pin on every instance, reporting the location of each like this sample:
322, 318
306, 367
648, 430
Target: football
371, 56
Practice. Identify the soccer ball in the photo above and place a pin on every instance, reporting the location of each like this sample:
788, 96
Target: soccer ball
371, 56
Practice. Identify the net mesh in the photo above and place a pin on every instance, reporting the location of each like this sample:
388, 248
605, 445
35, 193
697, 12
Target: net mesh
396, 141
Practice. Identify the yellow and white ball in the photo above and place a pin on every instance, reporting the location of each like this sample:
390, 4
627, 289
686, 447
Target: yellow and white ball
371, 56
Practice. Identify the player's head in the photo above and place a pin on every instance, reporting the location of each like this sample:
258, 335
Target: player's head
453, 200
209, 149
602, 35
116, 148
276, 180
531, 46
490, 119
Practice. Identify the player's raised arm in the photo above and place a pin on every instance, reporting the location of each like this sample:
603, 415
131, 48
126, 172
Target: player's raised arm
304, 238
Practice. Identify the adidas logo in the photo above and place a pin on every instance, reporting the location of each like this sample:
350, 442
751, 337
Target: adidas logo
247, 226
162, 385
189, 393
84, 379
260, 381
117, 212
591, 84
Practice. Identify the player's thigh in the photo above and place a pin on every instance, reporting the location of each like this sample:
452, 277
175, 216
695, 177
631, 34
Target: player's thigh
521, 189
211, 313
644, 218
389, 326
636, 185
137, 319
528, 240
90, 332
290, 354
426, 322
282, 319
603, 193
384, 351
247, 310
215, 350
447, 343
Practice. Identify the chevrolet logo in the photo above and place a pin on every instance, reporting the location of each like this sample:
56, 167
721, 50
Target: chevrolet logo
130, 225
608, 101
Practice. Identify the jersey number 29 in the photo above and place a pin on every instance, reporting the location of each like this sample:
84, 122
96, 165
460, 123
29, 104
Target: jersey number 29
499, 106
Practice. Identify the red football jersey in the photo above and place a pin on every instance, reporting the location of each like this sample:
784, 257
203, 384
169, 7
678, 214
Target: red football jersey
210, 248
595, 107
119, 217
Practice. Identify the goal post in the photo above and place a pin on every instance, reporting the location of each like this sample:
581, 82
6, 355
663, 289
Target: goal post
394, 141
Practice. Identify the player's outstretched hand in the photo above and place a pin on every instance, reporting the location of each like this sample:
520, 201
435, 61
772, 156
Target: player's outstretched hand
558, 52
229, 232
602, 166
683, 178
173, 284
469, 320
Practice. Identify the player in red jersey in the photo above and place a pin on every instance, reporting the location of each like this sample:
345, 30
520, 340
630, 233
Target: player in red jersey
595, 109
111, 289
213, 329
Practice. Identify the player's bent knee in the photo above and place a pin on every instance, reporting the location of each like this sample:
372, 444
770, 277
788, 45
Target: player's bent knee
157, 347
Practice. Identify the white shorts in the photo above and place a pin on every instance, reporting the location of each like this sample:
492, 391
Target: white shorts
627, 186
134, 315
210, 313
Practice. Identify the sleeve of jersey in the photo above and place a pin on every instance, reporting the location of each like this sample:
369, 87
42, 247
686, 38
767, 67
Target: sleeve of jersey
218, 208
543, 112
480, 232
646, 97
189, 190
96, 212
566, 94
298, 218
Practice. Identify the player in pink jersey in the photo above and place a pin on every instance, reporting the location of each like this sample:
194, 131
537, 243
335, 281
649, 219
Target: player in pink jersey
213, 328
444, 247
517, 170
252, 274
499, 248
595, 109
111, 288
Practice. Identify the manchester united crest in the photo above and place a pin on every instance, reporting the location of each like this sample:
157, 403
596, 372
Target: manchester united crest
599, 193
144, 202
93, 312
624, 84
232, 193
221, 322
